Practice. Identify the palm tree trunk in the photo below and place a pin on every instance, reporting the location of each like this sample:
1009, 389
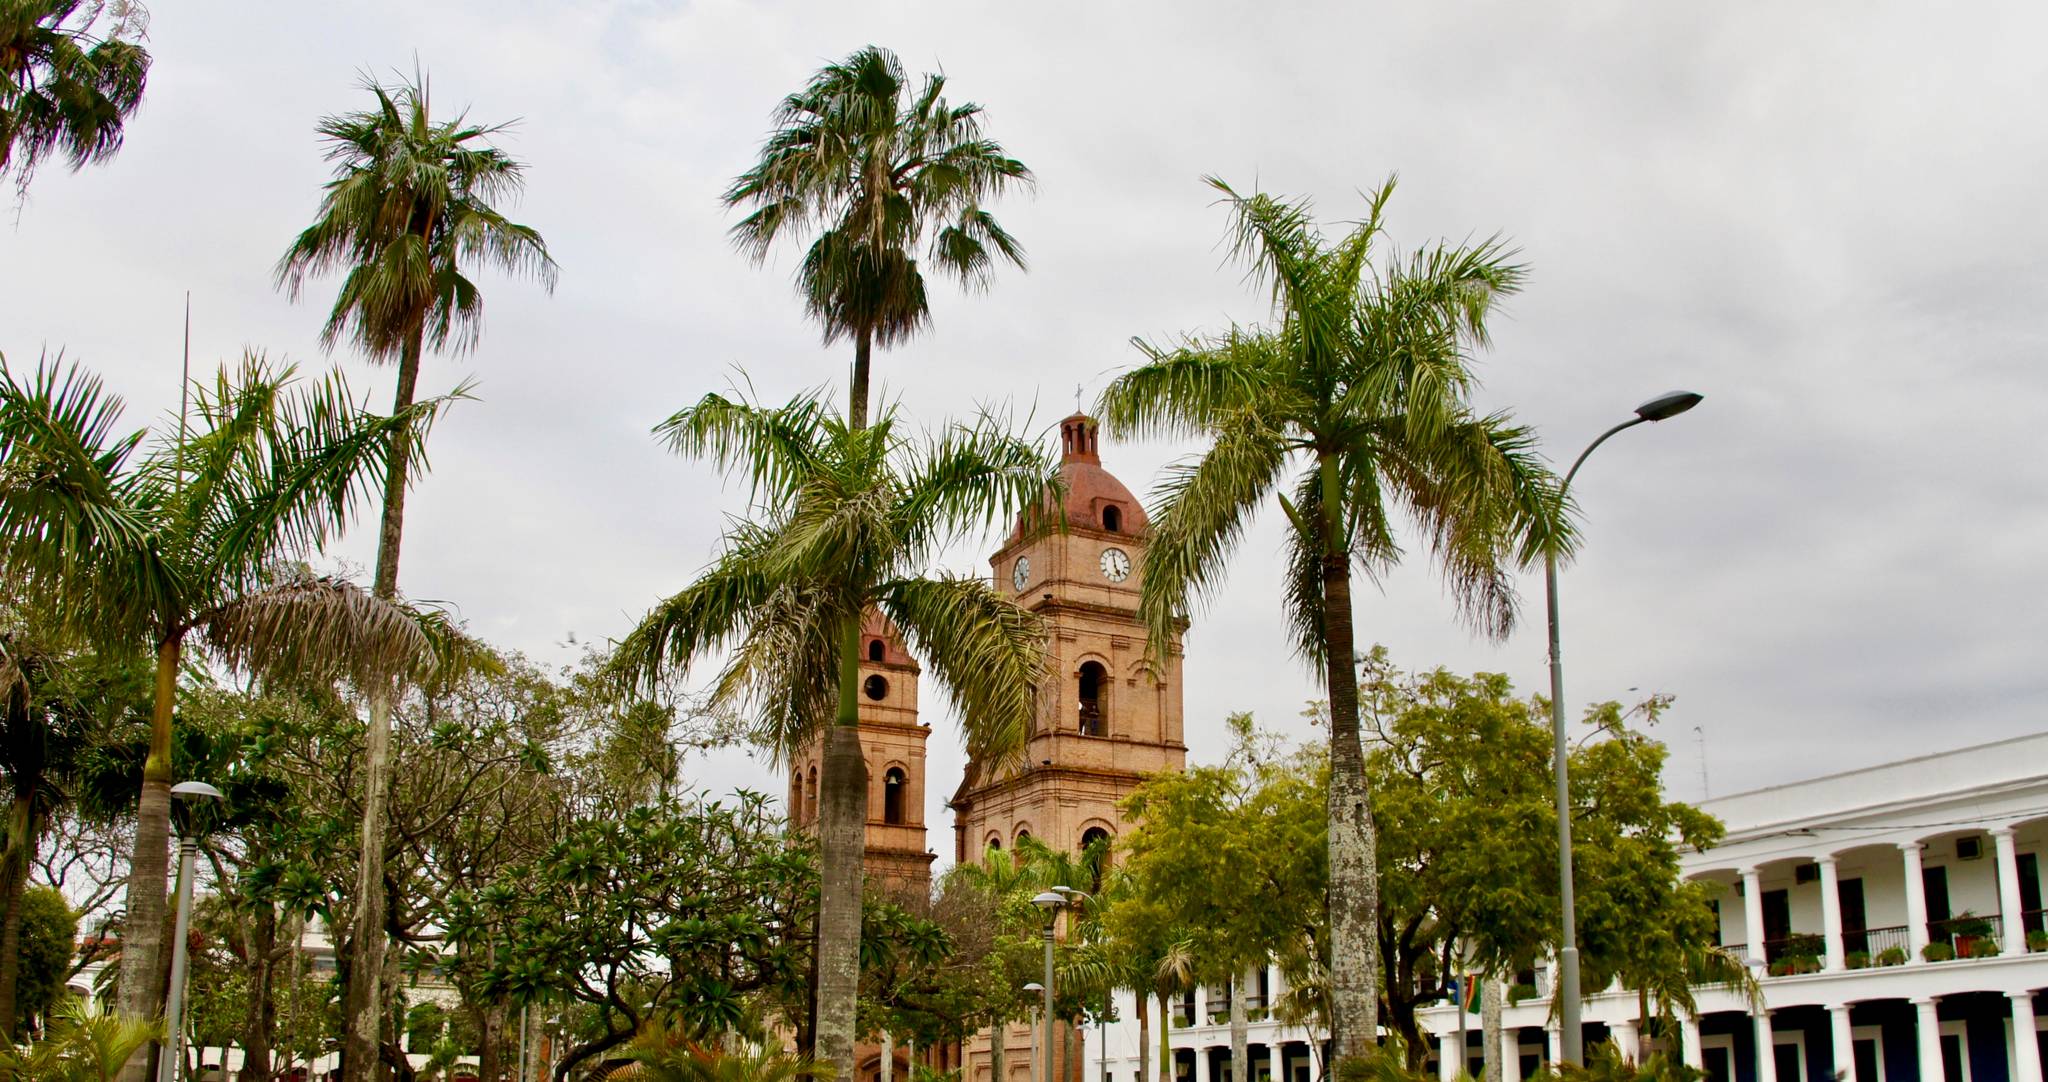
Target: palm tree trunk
1240, 1055
21, 841
857, 396
1144, 1034
842, 825
1489, 1026
365, 988
143, 976
1168, 1070
1354, 872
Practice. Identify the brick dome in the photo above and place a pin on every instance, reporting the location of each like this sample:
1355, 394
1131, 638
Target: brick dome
1096, 500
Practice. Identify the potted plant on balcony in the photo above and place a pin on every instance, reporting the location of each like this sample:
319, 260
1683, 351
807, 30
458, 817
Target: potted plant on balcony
1857, 959
1968, 931
2037, 941
1937, 952
1891, 956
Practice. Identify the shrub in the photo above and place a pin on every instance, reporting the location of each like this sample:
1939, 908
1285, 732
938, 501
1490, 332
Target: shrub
1892, 956
1937, 952
1985, 947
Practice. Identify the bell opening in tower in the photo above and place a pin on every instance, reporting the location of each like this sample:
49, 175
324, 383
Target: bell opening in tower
892, 796
1112, 519
1094, 687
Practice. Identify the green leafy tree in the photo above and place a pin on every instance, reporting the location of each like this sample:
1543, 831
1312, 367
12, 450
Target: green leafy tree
57, 705
412, 208
875, 168
1253, 825
71, 74
49, 930
198, 542
849, 521
689, 912
1361, 389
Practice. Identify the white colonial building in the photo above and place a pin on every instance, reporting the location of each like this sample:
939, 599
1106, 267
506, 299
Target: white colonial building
1887, 910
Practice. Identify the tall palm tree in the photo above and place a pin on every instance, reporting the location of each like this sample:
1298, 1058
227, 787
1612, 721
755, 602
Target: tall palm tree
877, 169
197, 543
847, 521
71, 73
876, 172
413, 205
1360, 389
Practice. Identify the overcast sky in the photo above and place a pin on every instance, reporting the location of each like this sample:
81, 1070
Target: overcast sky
1825, 217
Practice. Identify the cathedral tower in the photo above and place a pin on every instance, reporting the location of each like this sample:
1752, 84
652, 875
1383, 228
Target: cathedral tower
1107, 715
893, 743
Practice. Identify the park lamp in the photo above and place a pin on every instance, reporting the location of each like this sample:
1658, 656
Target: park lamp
174, 1008
1050, 901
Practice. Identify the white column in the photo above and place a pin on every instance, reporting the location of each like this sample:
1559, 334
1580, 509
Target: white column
2026, 1046
1510, 1054
1916, 904
1767, 1051
1624, 1034
1450, 1055
888, 1057
1273, 1053
2009, 892
1201, 1062
1928, 1033
1845, 1043
1689, 1032
1831, 913
1753, 913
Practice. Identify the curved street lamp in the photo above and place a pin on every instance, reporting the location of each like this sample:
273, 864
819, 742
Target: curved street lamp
1571, 1041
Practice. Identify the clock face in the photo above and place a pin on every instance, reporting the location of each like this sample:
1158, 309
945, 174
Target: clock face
1021, 574
1116, 565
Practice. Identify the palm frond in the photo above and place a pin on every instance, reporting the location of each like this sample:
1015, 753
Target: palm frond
1201, 510
305, 626
1191, 388
774, 447
988, 653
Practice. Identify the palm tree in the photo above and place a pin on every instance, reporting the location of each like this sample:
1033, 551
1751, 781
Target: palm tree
672, 1054
848, 521
71, 73
873, 174
197, 542
84, 1046
413, 203
1362, 386
874, 170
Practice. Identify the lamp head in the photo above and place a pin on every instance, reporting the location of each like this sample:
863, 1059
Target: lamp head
1049, 901
1666, 405
194, 790
1034, 986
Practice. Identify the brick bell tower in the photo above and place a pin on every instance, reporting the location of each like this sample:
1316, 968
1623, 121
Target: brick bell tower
1107, 715
893, 743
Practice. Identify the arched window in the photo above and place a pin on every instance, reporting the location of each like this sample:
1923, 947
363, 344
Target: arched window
811, 796
876, 688
892, 795
995, 842
874, 649
1095, 854
1112, 518
1094, 691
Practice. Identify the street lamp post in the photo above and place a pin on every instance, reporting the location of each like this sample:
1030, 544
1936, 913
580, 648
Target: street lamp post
1051, 902
1034, 986
1571, 1042
174, 1006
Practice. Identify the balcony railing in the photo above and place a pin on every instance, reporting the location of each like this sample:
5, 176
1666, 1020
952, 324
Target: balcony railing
1876, 947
